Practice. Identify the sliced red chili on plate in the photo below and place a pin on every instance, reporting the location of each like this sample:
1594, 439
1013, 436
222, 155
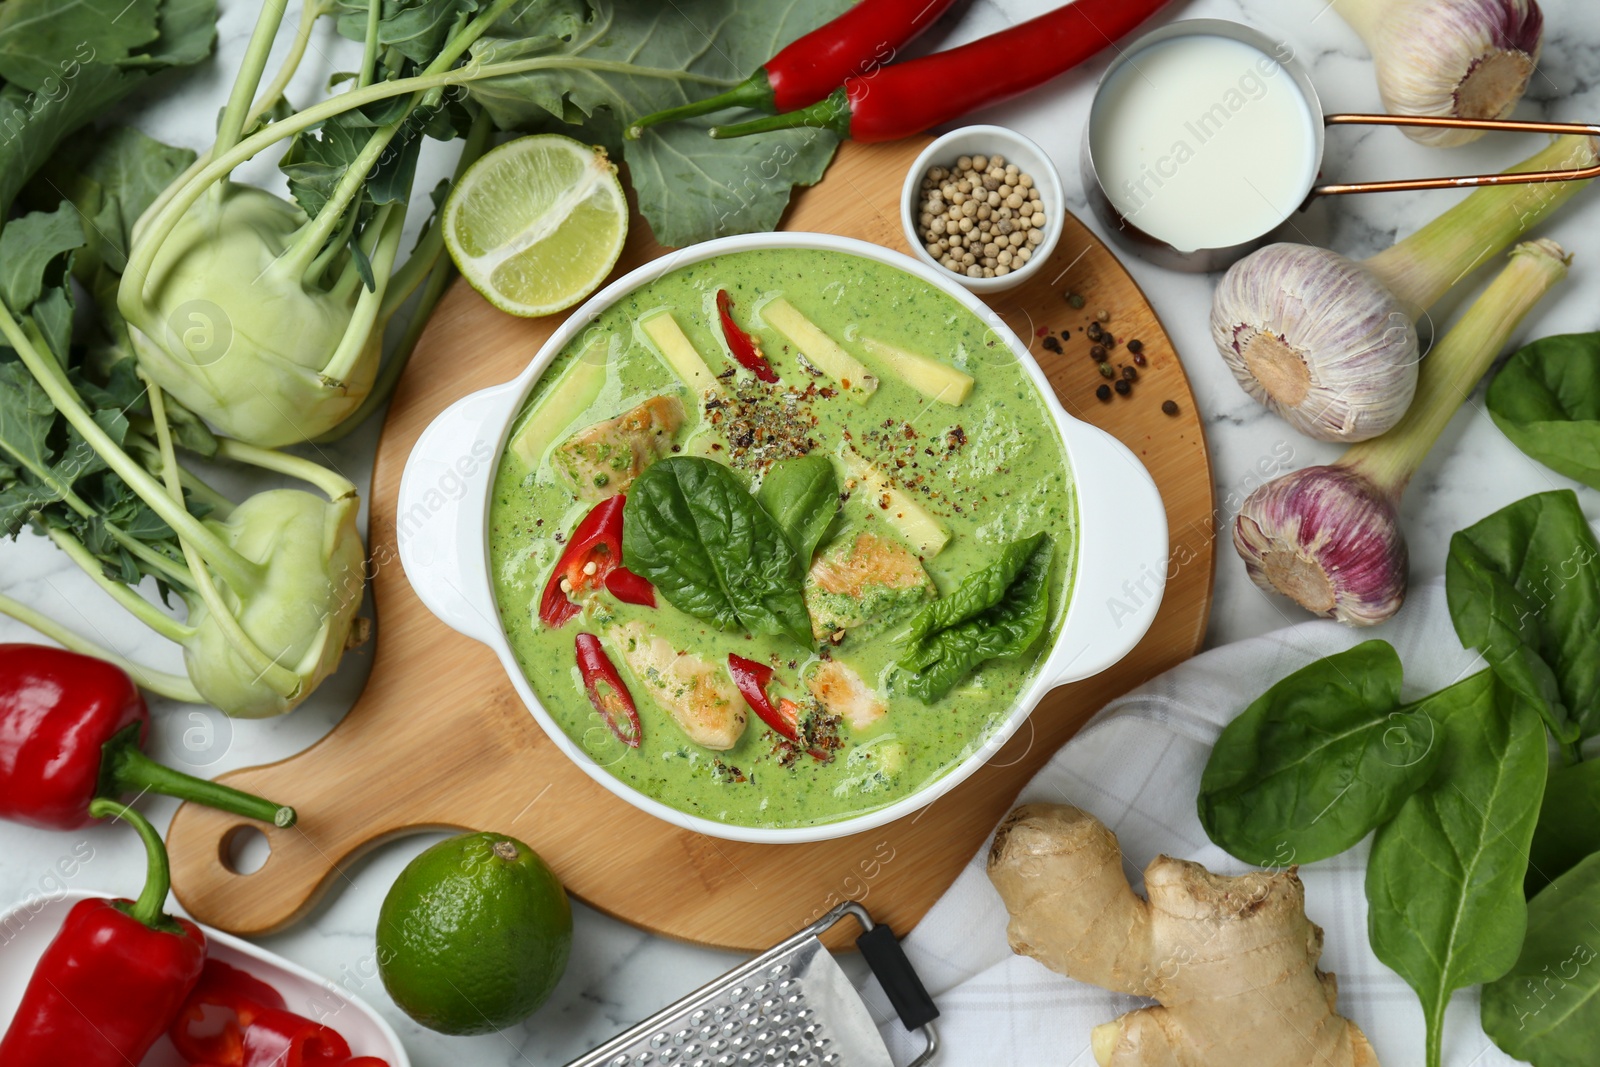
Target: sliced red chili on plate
607, 691
745, 348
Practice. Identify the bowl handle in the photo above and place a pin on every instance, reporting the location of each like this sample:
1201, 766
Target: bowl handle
1121, 567
443, 507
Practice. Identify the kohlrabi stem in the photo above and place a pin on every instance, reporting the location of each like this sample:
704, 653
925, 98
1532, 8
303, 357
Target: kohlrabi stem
130, 294
172, 686
217, 552
313, 274
1453, 369
389, 222
280, 679
330, 482
1423, 267
158, 871
248, 80
132, 602
369, 52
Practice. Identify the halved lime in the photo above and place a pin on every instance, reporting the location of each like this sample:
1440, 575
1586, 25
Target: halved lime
537, 224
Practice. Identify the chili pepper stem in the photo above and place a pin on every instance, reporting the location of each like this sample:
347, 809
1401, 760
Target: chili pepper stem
832, 112
126, 769
754, 92
148, 908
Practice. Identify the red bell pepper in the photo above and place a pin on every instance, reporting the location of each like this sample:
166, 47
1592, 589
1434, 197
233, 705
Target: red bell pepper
903, 99
745, 349
607, 692
784, 718
70, 730
113, 979
853, 44
593, 554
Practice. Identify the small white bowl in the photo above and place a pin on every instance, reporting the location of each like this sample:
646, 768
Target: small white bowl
988, 140
27, 929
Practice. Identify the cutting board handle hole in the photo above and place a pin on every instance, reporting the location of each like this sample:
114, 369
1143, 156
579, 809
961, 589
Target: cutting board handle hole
245, 850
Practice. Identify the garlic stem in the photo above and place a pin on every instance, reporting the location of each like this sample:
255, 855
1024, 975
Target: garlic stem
1423, 267
1468, 59
1453, 369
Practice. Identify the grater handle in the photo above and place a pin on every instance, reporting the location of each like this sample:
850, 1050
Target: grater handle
894, 972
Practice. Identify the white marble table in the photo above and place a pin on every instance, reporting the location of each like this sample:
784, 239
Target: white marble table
617, 974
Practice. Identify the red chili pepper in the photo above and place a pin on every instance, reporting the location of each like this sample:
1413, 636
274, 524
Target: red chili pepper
114, 977
745, 349
784, 719
630, 588
597, 540
607, 692
233, 1019
862, 39
904, 99
70, 730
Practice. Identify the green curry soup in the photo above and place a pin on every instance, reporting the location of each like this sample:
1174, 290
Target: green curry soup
991, 470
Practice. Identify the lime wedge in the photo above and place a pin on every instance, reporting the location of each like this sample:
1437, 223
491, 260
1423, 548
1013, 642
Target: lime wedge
537, 224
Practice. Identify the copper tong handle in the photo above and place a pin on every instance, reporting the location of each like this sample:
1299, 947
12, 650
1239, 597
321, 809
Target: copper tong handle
1467, 181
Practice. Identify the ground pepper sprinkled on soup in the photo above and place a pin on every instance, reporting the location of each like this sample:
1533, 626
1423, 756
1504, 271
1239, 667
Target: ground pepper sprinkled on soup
823, 534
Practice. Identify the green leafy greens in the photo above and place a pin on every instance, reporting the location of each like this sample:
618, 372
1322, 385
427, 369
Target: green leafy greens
1318, 761
1546, 398
998, 611
1444, 881
692, 528
802, 494
1569, 823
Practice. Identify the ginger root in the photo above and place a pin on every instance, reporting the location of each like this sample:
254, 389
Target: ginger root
1233, 961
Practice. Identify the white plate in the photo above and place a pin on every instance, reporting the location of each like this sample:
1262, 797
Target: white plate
29, 927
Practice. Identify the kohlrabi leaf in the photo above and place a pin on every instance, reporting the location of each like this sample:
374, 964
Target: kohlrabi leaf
1524, 589
1546, 398
43, 42
33, 252
1445, 907
1317, 761
690, 187
1546, 1009
417, 30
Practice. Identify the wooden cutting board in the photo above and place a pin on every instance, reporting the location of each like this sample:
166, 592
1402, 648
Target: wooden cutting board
440, 739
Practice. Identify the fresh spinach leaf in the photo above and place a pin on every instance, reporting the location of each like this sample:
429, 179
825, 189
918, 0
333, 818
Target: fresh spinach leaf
1444, 881
1318, 761
999, 611
1546, 1009
690, 187
1524, 589
692, 528
802, 494
1546, 398
1569, 823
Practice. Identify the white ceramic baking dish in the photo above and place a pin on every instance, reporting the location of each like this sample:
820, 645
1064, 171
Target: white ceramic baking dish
1118, 577
28, 928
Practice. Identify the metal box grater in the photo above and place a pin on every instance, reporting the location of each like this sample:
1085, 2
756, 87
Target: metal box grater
792, 1006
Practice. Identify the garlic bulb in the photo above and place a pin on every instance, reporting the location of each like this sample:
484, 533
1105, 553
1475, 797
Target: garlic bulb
1331, 344
1318, 339
1467, 59
1329, 537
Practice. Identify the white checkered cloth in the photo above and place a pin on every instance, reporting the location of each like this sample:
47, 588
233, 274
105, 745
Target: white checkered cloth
1137, 767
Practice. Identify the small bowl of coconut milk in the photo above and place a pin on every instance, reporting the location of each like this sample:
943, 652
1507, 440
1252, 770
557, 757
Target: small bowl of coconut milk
1204, 137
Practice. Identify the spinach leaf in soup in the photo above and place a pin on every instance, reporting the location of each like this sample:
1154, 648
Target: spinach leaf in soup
1569, 824
1524, 589
1546, 1009
692, 528
1547, 400
999, 611
1317, 761
802, 495
1445, 907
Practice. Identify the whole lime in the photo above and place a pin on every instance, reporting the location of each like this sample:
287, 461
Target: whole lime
474, 934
